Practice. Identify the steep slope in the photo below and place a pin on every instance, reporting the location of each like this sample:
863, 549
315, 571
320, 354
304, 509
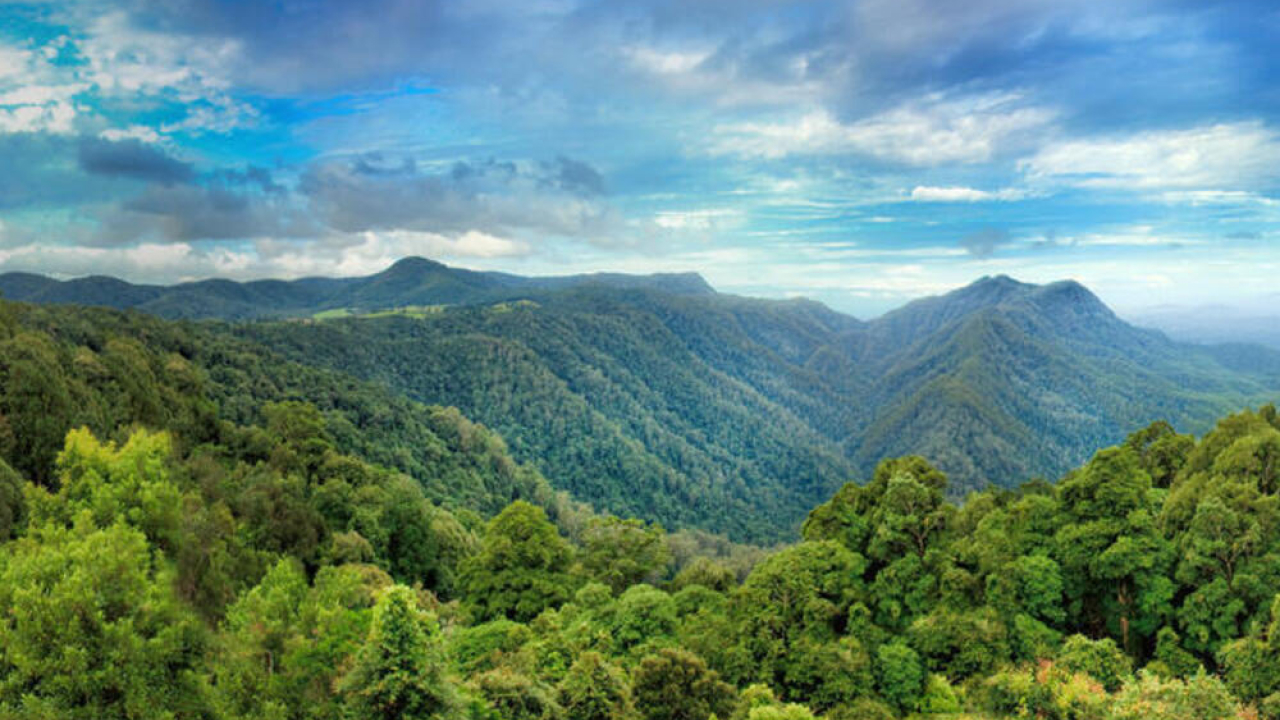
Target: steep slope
62, 368
1049, 370
686, 410
655, 396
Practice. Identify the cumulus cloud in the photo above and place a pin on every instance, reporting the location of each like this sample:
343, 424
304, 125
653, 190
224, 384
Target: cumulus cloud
131, 158
1232, 156
182, 213
500, 198
932, 131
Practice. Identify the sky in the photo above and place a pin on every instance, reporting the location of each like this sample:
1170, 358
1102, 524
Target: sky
860, 153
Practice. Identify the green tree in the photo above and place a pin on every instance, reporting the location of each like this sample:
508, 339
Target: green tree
92, 628
675, 684
1115, 560
1099, 659
795, 600
521, 568
621, 553
399, 672
594, 689
900, 675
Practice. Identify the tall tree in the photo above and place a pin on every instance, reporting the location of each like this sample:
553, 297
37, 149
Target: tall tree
399, 673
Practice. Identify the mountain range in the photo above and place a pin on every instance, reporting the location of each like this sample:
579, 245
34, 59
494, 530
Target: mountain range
411, 281
658, 397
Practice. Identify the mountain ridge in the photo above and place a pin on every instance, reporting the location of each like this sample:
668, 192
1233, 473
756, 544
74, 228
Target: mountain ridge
696, 408
409, 281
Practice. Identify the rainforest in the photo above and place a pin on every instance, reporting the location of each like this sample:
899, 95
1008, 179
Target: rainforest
195, 529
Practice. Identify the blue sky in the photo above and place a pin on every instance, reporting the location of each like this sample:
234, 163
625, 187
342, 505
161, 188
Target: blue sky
861, 153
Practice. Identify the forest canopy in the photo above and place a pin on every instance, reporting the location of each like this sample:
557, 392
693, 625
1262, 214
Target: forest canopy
185, 538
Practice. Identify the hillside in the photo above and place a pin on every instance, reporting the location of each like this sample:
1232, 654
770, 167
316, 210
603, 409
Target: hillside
658, 397
63, 368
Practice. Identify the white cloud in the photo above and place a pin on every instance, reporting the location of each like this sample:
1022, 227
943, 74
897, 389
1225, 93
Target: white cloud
133, 132
1213, 157
13, 61
56, 118
1217, 197
663, 62
932, 131
34, 95
126, 60
1135, 236
928, 193
708, 219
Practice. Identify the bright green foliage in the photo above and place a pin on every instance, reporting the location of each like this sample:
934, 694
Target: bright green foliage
128, 484
1047, 691
485, 646
93, 629
1099, 659
900, 675
521, 569
677, 685
707, 573
1200, 697
595, 689
939, 697
642, 614
284, 643
621, 553
789, 711
399, 672
515, 696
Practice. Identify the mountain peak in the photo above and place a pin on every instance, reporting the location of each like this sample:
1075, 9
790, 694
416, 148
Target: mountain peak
1070, 298
413, 264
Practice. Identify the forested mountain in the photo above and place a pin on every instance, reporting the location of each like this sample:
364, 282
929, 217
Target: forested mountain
411, 281
657, 397
718, 410
211, 546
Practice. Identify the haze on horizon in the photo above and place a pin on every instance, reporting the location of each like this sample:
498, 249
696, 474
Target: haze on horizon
860, 153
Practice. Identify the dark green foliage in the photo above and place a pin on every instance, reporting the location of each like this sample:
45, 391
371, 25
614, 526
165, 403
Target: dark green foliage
12, 505
621, 553
521, 568
677, 685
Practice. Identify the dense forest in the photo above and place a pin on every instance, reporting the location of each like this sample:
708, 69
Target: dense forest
659, 398
195, 528
740, 414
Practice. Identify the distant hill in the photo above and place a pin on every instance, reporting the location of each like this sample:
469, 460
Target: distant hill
1212, 324
656, 396
411, 281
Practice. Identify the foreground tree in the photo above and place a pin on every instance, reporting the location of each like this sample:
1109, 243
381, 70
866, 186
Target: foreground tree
677, 685
521, 568
92, 629
399, 673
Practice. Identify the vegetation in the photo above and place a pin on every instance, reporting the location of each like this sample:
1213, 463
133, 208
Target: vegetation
170, 553
739, 415
655, 397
